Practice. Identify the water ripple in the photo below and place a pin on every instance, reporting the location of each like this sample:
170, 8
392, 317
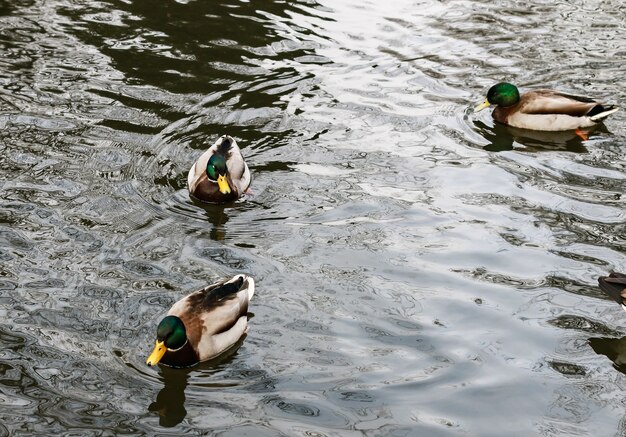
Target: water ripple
415, 262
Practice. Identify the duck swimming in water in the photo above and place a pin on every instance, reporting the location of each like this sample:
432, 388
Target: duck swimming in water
545, 110
204, 324
220, 174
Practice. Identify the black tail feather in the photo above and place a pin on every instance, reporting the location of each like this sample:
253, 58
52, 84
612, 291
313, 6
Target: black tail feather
225, 146
229, 288
599, 109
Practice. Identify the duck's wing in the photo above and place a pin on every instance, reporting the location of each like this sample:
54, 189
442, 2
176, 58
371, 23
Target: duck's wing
216, 316
238, 171
197, 173
553, 102
615, 286
244, 178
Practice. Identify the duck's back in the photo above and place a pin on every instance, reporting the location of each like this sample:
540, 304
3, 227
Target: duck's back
553, 102
215, 317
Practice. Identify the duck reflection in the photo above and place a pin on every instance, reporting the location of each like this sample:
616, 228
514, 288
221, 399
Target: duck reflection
502, 137
170, 401
217, 216
613, 348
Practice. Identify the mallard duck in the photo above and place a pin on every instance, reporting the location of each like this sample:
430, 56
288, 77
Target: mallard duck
203, 324
543, 109
220, 174
615, 286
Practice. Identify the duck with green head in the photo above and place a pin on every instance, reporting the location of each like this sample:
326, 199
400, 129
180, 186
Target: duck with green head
203, 324
545, 110
220, 174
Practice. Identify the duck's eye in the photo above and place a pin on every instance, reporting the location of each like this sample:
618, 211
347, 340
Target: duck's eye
211, 172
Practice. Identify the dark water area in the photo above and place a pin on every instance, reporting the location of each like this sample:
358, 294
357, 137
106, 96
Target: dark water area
420, 270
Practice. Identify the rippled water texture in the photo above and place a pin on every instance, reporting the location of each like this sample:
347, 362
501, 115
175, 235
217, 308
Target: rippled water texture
419, 270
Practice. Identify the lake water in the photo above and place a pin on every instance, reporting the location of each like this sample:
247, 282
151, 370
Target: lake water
419, 270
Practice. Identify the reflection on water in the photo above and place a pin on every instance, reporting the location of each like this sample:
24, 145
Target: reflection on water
502, 137
613, 348
217, 216
170, 401
410, 281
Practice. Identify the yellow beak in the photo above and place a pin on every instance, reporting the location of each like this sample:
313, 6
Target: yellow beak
157, 353
222, 183
482, 106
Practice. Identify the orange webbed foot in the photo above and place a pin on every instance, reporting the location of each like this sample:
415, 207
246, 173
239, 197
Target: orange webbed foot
583, 134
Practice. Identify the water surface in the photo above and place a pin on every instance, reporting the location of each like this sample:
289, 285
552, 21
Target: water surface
420, 270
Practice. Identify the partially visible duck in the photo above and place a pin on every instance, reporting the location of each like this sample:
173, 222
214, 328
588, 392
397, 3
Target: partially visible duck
204, 324
220, 174
615, 286
545, 110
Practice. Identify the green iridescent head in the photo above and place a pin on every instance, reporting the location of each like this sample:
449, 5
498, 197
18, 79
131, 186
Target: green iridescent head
171, 332
216, 167
503, 94
216, 171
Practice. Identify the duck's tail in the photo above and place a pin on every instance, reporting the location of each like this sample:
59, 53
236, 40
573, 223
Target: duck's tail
600, 112
250, 282
615, 286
